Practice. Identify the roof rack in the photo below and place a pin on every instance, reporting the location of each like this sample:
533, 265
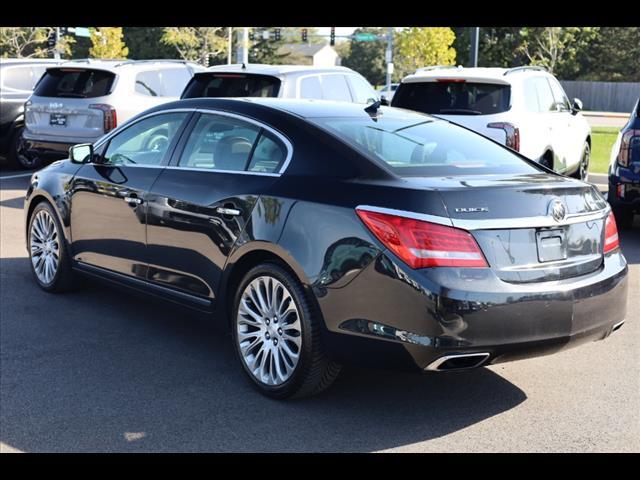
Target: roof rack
437, 67
90, 60
157, 60
526, 67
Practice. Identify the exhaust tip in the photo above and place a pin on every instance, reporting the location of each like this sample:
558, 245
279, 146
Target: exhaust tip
458, 361
617, 326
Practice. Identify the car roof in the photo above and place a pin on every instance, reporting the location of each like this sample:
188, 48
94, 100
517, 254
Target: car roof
264, 69
485, 74
115, 65
28, 61
303, 108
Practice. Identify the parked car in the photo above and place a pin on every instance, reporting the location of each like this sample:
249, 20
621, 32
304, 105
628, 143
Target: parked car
18, 77
282, 81
324, 232
388, 93
81, 100
524, 108
624, 171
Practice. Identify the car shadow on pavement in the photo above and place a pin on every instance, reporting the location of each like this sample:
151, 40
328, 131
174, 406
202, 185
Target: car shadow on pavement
101, 370
629, 242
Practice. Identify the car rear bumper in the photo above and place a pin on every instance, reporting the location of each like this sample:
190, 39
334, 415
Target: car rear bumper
631, 185
55, 147
392, 316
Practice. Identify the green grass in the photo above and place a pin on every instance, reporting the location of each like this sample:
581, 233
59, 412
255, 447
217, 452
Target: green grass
602, 139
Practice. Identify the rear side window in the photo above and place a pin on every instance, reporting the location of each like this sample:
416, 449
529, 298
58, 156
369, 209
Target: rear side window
222, 143
453, 97
18, 78
232, 85
149, 83
74, 82
310, 88
531, 96
174, 80
419, 147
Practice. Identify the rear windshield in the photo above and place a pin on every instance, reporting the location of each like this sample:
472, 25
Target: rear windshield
232, 85
75, 83
426, 147
453, 97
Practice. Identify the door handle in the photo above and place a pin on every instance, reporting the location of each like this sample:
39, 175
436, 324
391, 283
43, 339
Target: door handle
133, 201
234, 212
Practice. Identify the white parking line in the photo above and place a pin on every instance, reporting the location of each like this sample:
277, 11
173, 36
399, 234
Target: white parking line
16, 176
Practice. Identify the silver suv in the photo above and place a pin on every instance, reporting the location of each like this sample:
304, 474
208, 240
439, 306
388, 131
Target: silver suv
282, 81
81, 100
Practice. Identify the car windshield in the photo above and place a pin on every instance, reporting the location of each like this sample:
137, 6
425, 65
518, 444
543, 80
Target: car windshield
422, 146
453, 97
232, 85
75, 83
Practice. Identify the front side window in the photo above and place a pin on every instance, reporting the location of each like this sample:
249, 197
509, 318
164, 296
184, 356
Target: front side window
454, 97
419, 146
561, 100
545, 96
145, 142
228, 144
362, 91
334, 87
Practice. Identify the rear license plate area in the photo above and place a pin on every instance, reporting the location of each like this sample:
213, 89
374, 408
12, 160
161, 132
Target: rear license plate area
58, 119
552, 245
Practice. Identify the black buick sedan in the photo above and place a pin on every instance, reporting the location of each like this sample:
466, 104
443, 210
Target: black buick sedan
325, 233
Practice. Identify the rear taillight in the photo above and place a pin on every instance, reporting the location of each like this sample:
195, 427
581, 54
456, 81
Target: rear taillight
424, 244
110, 116
629, 144
512, 132
611, 241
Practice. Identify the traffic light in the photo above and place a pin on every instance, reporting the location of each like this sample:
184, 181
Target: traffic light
52, 40
332, 36
277, 34
304, 34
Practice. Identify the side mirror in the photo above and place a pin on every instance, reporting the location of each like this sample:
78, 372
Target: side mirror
82, 153
577, 105
384, 101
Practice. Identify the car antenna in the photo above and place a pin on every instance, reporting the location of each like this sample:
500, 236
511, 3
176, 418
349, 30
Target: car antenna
244, 67
372, 109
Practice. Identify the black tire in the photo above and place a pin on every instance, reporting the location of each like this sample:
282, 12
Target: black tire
314, 371
624, 217
64, 279
547, 160
17, 155
582, 172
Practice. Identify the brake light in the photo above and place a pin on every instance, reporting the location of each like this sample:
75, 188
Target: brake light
110, 116
611, 240
627, 144
513, 134
451, 80
424, 244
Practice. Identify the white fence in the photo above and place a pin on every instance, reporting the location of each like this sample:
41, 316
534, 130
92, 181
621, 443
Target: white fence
604, 96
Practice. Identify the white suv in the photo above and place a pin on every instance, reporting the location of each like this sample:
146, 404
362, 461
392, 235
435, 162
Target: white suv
80, 100
524, 108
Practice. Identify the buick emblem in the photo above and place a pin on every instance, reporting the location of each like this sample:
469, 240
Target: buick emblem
557, 210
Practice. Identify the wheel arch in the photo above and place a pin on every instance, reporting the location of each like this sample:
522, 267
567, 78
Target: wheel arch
34, 200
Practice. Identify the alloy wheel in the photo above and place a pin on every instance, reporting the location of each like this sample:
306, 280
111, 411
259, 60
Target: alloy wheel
269, 330
45, 247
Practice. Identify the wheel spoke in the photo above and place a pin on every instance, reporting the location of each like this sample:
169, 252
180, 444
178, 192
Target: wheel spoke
44, 246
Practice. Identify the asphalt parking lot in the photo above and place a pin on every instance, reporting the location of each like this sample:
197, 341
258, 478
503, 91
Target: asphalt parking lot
99, 370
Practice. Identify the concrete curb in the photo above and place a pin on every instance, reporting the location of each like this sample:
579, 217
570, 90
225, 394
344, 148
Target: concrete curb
606, 114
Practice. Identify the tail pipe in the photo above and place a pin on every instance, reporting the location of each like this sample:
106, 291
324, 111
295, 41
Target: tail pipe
458, 361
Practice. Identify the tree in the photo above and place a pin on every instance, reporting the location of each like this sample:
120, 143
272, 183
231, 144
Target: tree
196, 43
556, 48
367, 58
417, 47
611, 56
107, 43
22, 42
145, 43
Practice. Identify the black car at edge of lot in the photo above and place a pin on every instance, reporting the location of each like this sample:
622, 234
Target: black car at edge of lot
325, 233
624, 171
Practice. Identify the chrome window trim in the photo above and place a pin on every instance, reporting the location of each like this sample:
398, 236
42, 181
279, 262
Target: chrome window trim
403, 213
494, 223
287, 143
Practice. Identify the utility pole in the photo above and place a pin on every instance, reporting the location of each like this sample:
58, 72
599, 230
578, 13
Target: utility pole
230, 46
245, 45
56, 49
475, 39
389, 57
